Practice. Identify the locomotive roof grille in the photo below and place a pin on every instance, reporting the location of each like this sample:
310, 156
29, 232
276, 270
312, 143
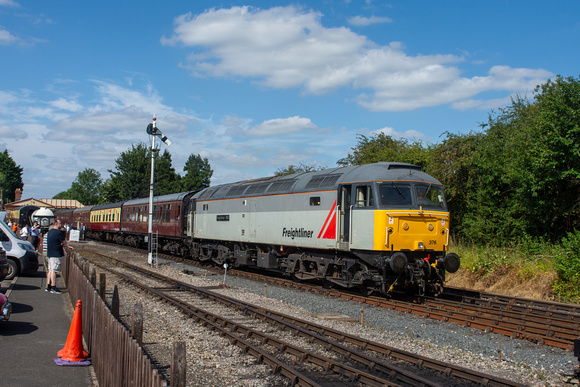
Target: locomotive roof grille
323, 181
220, 192
237, 190
257, 188
207, 193
281, 186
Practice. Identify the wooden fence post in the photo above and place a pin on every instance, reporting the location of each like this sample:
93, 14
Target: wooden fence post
103, 285
115, 303
137, 326
178, 365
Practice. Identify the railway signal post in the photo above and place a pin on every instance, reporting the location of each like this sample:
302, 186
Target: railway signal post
154, 132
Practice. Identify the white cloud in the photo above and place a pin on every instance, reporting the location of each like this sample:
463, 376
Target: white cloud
409, 134
8, 132
281, 126
64, 104
286, 47
6, 38
362, 21
8, 3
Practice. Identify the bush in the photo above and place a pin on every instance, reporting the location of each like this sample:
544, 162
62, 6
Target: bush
567, 266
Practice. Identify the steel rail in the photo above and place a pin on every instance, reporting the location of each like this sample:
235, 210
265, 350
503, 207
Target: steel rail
522, 304
544, 326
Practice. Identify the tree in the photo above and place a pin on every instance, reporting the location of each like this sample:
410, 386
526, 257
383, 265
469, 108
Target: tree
452, 163
292, 169
132, 176
64, 195
382, 147
87, 187
521, 177
10, 177
198, 173
167, 181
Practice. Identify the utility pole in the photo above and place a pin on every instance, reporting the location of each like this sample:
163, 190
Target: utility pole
153, 131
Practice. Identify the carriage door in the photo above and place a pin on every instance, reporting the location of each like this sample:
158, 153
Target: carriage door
345, 213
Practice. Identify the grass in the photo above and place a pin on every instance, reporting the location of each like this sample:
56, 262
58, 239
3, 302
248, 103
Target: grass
530, 269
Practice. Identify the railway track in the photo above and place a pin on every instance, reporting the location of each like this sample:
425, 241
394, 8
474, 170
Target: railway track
542, 322
370, 358
535, 324
525, 305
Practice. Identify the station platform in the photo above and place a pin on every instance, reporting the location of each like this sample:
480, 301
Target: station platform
37, 329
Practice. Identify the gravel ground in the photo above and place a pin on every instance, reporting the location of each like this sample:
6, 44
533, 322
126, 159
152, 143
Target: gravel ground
213, 361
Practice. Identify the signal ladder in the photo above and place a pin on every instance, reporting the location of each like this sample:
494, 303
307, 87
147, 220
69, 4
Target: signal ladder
155, 248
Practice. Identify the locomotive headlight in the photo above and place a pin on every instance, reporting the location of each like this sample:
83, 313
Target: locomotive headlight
430, 227
405, 226
420, 245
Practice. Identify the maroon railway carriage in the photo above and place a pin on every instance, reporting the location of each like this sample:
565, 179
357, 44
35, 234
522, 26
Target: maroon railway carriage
65, 216
168, 220
82, 216
75, 216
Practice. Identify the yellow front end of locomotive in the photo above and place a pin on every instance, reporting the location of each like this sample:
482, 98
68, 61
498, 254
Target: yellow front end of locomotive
411, 230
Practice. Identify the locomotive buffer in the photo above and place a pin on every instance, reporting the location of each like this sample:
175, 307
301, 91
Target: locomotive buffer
154, 132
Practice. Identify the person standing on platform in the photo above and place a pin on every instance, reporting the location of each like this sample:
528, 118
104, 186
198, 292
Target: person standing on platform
34, 235
55, 242
24, 232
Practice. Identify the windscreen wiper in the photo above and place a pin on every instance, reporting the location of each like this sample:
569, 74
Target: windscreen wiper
398, 190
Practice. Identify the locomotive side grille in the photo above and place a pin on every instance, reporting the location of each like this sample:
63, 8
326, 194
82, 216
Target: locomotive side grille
237, 190
323, 181
207, 193
220, 192
281, 186
257, 188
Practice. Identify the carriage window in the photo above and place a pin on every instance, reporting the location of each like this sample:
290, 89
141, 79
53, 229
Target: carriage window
167, 213
315, 200
156, 211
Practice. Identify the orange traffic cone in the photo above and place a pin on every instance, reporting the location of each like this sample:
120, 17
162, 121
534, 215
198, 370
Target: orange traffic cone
73, 349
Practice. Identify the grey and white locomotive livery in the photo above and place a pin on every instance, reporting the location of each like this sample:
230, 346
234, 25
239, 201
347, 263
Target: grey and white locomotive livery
377, 227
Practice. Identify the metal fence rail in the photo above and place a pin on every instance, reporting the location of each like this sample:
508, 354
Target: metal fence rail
117, 358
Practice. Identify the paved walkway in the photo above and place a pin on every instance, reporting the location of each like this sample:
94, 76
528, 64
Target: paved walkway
36, 331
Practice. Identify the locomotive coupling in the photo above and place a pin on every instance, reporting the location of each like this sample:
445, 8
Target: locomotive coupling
451, 262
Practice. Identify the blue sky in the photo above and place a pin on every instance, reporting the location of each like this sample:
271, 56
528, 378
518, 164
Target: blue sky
255, 87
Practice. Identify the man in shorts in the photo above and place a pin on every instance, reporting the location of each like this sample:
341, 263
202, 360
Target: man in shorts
55, 241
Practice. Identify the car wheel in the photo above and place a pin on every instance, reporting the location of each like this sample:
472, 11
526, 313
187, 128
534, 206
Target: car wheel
13, 270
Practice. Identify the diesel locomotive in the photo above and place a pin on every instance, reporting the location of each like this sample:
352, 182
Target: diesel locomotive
376, 227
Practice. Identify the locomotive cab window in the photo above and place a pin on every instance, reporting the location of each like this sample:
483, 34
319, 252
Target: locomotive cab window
315, 200
364, 196
430, 196
395, 195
